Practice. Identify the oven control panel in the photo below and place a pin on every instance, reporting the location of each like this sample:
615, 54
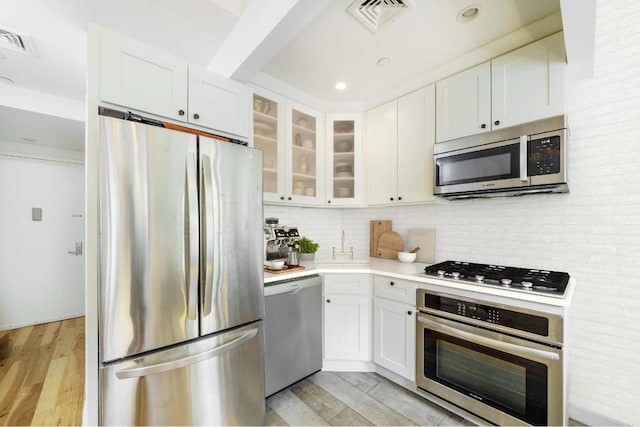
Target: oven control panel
513, 319
544, 156
479, 312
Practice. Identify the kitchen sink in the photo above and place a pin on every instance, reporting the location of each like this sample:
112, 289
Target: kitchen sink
342, 262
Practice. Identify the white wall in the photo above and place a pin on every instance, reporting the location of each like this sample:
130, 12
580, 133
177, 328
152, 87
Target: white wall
39, 280
593, 232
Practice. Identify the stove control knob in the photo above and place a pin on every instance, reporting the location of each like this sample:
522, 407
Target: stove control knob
506, 282
441, 272
479, 278
455, 275
527, 285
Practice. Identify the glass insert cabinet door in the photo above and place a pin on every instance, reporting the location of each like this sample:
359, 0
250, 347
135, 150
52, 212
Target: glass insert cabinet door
303, 154
265, 138
343, 159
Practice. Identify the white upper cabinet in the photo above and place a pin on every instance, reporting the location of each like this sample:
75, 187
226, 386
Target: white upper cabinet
521, 86
344, 170
218, 103
382, 154
399, 146
416, 136
268, 136
304, 155
529, 83
137, 76
463, 103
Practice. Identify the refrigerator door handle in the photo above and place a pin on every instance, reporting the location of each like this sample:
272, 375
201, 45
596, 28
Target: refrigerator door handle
170, 365
207, 262
193, 244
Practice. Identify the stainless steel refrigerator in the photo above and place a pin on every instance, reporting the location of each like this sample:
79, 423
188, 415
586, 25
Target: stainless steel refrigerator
181, 283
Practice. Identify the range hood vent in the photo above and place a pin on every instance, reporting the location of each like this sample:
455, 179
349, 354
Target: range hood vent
373, 13
14, 42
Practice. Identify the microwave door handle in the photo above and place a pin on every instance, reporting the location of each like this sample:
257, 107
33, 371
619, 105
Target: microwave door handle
515, 349
524, 158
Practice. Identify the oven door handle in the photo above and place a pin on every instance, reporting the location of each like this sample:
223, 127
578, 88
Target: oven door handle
518, 350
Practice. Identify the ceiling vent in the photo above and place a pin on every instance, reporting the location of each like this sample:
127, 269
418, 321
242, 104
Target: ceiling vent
14, 42
373, 13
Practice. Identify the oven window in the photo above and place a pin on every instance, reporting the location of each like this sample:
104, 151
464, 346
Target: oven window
477, 166
504, 381
489, 376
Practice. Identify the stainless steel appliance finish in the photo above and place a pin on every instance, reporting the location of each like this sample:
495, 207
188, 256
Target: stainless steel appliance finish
293, 331
502, 363
180, 258
216, 380
521, 159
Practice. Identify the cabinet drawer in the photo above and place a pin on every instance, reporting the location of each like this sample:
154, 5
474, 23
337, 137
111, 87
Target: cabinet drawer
359, 284
395, 290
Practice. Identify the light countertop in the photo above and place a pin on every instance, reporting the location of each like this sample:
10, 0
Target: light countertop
411, 271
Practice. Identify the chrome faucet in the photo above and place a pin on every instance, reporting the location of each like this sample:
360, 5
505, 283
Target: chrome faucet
342, 252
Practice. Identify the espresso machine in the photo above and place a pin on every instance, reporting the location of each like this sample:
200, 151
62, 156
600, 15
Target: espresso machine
277, 239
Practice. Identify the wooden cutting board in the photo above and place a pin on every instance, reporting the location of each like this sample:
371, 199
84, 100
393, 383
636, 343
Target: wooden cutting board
389, 244
376, 228
426, 239
289, 269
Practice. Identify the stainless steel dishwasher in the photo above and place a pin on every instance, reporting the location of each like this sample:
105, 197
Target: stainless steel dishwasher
293, 331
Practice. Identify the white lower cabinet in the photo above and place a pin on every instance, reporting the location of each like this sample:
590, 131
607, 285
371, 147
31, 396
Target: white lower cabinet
394, 337
394, 326
347, 322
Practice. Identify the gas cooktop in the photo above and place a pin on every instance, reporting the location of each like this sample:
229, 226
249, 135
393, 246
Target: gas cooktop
542, 282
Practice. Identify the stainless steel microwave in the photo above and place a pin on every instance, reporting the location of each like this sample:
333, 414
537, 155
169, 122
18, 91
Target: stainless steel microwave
528, 158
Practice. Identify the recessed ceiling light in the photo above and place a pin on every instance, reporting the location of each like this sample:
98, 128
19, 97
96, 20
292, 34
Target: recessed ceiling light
341, 86
27, 139
5, 79
383, 61
468, 13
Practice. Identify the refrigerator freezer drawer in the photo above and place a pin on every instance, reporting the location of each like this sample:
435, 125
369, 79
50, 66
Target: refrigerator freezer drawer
217, 380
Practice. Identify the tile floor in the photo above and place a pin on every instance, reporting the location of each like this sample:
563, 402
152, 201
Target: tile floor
353, 398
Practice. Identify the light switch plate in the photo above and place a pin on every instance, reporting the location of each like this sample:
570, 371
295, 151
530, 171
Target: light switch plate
36, 214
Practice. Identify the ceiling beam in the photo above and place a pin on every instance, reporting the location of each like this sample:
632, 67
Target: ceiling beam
266, 26
40, 102
579, 22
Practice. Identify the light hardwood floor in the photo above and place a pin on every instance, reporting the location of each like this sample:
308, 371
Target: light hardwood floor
42, 374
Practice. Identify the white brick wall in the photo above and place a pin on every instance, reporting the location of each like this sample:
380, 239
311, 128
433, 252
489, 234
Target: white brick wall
594, 228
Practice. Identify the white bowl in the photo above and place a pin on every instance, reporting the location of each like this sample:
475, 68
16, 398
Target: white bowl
406, 257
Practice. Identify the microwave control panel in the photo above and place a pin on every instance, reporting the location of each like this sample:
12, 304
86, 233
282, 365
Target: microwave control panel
544, 156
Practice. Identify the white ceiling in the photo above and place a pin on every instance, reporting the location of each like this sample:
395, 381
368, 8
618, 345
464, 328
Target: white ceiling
336, 47
332, 46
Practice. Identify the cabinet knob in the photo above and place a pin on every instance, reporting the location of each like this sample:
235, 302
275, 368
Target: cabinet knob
391, 198
181, 112
399, 198
392, 283
483, 126
196, 116
329, 201
497, 122
409, 312
289, 198
328, 301
281, 197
